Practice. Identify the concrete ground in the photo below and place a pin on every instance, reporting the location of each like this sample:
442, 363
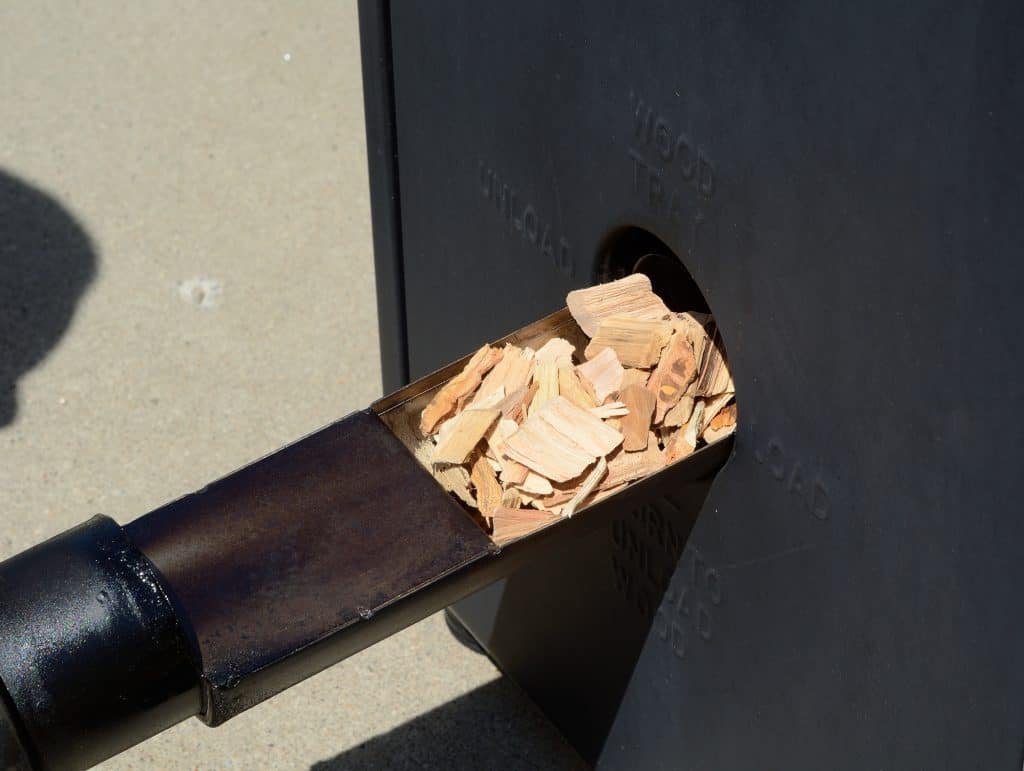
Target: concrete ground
186, 283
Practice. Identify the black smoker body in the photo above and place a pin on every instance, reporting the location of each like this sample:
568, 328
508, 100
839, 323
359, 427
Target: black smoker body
844, 183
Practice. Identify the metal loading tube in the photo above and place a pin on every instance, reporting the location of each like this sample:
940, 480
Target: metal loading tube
225, 597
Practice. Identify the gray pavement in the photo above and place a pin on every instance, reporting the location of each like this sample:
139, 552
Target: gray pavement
186, 283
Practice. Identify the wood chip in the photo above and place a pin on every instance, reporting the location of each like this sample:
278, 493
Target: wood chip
556, 351
723, 424
610, 410
637, 342
628, 466
692, 430
514, 405
491, 401
455, 479
679, 415
633, 376
560, 496
545, 377
588, 486
714, 377
604, 492
511, 499
511, 524
511, 473
488, 491
604, 373
692, 327
628, 296
636, 425
712, 407
578, 426
510, 374
539, 447
576, 390
560, 440
535, 484
676, 369
683, 441
468, 428
456, 391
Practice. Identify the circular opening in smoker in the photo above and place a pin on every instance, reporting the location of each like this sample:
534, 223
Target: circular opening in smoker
635, 250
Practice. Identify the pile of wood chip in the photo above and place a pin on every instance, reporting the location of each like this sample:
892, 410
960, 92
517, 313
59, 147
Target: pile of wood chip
525, 436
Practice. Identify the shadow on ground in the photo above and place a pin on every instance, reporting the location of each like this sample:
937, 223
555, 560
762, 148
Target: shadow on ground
476, 731
46, 262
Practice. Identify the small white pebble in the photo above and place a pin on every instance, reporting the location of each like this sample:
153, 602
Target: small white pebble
287, 57
62, 401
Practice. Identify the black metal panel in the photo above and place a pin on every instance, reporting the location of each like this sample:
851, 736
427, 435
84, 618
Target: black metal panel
379, 104
844, 183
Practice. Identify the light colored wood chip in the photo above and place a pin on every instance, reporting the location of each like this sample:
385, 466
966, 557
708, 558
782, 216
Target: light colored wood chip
683, 441
515, 404
501, 431
604, 373
459, 389
693, 426
714, 377
676, 369
636, 424
634, 376
488, 491
628, 466
610, 410
455, 479
557, 351
679, 415
469, 428
713, 405
528, 500
723, 424
539, 447
637, 342
545, 377
511, 373
511, 473
536, 485
511, 499
576, 390
559, 497
579, 427
693, 328
512, 524
628, 296
488, 402
604, 492
444, 429
588, 486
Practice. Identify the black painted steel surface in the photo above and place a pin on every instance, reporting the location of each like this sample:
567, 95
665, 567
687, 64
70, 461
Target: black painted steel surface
844, 182
92, 655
